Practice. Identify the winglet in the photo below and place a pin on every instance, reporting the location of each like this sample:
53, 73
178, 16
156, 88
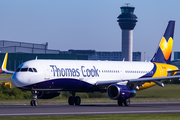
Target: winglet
3, 67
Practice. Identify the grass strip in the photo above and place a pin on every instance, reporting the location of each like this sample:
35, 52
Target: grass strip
173, 116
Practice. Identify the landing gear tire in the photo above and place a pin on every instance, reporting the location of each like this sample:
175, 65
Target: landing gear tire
126, 102
34, 103
71, 100
120, 102
77, 100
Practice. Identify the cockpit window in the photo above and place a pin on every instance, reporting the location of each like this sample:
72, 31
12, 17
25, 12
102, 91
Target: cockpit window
30, 70
18, 69
24, 69
34, 69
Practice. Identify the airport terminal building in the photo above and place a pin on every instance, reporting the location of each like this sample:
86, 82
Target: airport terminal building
105, 55
20, 52
176, 60
22, 47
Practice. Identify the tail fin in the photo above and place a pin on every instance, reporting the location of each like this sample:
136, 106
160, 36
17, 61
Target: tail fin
164, 51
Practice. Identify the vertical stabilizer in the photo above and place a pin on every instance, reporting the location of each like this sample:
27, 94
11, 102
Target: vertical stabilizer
164, 51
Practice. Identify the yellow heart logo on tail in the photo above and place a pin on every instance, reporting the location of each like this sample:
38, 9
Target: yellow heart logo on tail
166, 47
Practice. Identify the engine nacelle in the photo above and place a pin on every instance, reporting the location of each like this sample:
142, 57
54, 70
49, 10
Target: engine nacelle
47, 94
116, 92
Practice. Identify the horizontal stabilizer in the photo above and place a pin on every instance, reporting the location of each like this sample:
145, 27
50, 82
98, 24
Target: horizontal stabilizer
173, 71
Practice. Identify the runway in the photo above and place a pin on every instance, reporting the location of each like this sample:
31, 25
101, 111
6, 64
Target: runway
89, 109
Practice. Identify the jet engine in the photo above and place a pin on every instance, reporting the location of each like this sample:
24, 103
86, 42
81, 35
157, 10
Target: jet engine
116, 92
47, 94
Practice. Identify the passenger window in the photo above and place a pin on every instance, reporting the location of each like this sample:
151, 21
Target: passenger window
34, 69
18, 69
24, 69
30, 70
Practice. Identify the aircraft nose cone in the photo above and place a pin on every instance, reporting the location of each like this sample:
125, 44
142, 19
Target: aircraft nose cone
17, 80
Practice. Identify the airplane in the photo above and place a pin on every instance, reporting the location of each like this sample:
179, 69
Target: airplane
120, 79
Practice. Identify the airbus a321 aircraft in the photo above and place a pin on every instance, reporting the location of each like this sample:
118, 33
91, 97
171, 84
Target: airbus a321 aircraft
120, 79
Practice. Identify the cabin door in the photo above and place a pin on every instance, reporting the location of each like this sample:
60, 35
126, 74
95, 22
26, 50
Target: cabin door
160, 71
47, 71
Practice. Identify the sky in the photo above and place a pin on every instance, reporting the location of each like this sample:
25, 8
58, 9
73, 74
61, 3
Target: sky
87, 24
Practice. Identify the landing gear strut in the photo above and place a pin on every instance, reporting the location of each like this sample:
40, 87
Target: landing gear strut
34, 102
74, 99
126, 102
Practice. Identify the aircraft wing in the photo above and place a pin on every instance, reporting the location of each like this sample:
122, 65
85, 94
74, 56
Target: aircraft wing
3, 67
140, 81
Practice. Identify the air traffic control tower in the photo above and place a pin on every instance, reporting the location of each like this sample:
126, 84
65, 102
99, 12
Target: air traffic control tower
127, 21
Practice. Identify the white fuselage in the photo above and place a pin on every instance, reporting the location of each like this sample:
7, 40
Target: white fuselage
54, 73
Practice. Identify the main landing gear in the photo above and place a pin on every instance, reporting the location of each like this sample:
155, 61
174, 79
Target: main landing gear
74, 99
34, 102
126, 102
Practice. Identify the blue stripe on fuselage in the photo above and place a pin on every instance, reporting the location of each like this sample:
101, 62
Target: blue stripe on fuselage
61, 84
150, 73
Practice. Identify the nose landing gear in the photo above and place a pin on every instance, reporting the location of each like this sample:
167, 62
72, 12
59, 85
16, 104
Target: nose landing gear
34, 102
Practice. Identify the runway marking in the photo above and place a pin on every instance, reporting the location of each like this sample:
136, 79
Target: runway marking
90, 113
